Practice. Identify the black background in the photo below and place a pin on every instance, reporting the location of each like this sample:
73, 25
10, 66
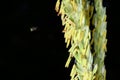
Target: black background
41, 55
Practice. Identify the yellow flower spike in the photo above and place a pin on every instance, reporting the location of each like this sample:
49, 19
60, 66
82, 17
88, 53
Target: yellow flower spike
76, 16
100, 26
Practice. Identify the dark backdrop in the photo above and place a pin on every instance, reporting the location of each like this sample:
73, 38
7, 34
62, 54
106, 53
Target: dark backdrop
41, 54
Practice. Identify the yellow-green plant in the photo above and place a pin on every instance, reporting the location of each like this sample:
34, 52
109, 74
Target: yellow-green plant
99, 38
76, 16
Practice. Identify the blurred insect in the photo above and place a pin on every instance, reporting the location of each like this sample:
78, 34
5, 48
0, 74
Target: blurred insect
34, 28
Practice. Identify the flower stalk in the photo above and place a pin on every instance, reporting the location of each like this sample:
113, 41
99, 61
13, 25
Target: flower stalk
76, 16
